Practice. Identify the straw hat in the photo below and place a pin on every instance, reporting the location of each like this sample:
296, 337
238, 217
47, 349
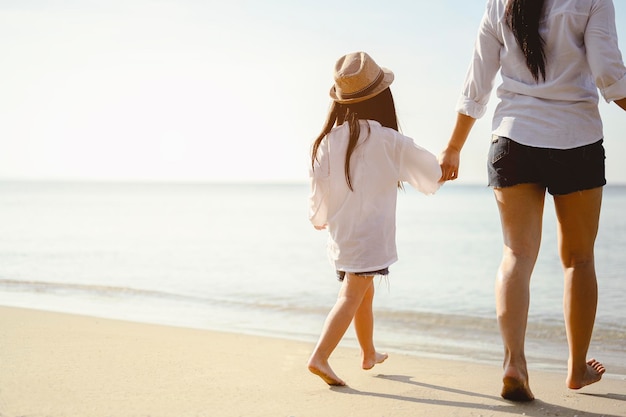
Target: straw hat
358, 77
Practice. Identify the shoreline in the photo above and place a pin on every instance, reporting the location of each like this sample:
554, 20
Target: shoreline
447, 337
59, 364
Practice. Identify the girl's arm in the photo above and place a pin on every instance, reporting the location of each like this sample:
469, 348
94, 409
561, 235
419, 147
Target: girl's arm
319, 176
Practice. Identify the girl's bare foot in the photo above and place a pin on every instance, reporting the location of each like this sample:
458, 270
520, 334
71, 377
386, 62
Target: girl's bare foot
593, 373
324, 371
368, 363
515, 386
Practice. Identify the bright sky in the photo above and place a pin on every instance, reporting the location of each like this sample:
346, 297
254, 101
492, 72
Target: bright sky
218, 90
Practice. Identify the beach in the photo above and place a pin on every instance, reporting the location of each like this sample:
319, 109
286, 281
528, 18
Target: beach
195, 255
64, 365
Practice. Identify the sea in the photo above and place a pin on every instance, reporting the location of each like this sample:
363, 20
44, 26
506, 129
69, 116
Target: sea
243, 258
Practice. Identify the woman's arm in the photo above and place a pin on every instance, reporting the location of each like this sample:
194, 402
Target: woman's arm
451, 155
621, 102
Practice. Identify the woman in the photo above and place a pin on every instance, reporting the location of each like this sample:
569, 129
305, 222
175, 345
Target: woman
357, 164
552, 55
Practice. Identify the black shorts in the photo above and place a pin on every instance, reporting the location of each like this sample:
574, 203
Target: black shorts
561, 171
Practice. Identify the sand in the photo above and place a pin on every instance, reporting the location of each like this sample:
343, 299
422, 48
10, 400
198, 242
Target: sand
61, 365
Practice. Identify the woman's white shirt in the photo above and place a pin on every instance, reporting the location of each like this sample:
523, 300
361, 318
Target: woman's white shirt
582, 56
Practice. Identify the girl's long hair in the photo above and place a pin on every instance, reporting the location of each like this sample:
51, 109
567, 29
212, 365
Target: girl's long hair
522, 17
380, 108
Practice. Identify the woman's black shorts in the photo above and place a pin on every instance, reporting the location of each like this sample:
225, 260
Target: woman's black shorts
561, 171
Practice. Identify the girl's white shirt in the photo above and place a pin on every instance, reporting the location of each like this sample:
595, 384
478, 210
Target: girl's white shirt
362, 223
582, 56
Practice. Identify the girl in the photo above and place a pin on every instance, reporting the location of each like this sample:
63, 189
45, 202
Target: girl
357, 164
553, 55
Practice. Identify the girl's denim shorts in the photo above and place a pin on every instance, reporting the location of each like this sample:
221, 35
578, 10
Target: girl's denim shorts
342, 274
561, 171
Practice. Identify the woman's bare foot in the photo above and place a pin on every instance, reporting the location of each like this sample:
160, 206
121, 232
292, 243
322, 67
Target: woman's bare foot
324, 371
515, 386
592, 373
368, 363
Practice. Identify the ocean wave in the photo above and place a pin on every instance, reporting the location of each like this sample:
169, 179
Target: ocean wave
64, 287
411, 319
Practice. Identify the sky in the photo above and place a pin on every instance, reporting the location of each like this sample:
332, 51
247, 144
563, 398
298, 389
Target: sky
226, 91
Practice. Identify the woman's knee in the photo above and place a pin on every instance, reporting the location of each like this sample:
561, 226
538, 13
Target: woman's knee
577, 260
521, 255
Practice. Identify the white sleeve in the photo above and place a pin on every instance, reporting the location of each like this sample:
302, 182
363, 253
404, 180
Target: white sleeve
319, 176
482, 71
419, 167
603, 54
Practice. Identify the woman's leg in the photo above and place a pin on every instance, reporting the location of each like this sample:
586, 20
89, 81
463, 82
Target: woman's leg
578, 216
521, 213
337, 322
364, 327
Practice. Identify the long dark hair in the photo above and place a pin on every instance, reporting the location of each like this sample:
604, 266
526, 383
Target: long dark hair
523, 17
380, 108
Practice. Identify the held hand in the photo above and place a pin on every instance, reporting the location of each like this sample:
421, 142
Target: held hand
451, 155
320, 227
449, 161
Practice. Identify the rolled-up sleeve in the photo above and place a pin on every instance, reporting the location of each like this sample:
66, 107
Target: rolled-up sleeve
603, 54
485, 64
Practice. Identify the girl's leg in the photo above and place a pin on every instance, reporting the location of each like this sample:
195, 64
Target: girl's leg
521, 212
364, 327
578, 216
337, 322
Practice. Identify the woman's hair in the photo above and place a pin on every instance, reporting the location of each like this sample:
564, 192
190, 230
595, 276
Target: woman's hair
523, 17
380, 108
